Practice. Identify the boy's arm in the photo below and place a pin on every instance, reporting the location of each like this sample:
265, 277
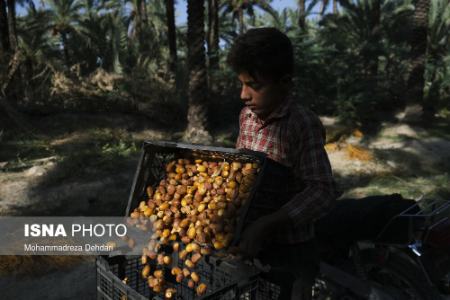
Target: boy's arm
313, 169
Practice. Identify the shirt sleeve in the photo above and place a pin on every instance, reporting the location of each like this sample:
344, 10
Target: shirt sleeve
312, 168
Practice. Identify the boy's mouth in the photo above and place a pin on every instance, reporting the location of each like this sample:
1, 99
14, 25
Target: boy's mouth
253, 108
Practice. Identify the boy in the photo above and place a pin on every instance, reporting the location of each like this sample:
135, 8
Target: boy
273, 122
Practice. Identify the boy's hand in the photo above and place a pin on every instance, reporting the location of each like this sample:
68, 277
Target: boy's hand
254, 237
260, 231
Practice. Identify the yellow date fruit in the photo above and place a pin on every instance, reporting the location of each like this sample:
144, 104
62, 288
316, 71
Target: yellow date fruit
195, 277
146, 271
201, 289
170, 293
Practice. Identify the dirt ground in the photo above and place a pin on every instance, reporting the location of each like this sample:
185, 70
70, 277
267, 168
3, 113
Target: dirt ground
84, 165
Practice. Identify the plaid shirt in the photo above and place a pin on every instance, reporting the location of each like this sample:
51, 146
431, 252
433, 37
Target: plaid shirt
294, 136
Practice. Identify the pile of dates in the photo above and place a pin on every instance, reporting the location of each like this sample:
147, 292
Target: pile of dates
194, 211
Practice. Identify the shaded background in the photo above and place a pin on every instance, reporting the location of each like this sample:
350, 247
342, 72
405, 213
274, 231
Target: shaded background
84, 82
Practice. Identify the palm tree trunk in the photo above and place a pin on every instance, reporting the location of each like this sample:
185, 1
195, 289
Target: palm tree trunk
375, 39
171, 34
335, 7
4, 31
371, 63
196, 131
138, 24
12, 24
324, 7
115, 43
7, 103
213, 34
144, 12
28, 80
143, 24
15, 90
241, 20
301, 14
416, 80
65, 49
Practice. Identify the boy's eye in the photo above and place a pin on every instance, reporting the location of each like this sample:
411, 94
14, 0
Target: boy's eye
254, 85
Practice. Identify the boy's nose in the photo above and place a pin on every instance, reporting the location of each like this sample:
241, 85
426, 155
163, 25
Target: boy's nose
245, 95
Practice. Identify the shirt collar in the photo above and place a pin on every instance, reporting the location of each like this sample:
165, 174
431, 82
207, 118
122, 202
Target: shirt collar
281, 111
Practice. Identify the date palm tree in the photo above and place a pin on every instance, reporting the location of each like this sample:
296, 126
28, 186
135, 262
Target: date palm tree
94, 36
213, 34
364, 32
116, 36
171, 34
37, 47
11, 4
8, 23
227, 30
139, 18
303, 11
418, 42
65, 17
324, 7
286, 20
237, 8
301, 14
4, 30
196, 130
438, 56
335, 7
325, 4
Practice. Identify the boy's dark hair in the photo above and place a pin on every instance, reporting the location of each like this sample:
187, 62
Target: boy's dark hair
262, 52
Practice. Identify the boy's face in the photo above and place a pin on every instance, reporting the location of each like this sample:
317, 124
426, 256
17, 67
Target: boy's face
262, 97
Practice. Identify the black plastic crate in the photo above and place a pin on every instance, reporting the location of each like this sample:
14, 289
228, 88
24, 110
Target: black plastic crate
272, 188
223, 283
225, 280
111, 272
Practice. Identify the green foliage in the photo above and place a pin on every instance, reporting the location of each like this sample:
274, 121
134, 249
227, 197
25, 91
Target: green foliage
315, 80
352, 64
437, 74
369, 52
37, 45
